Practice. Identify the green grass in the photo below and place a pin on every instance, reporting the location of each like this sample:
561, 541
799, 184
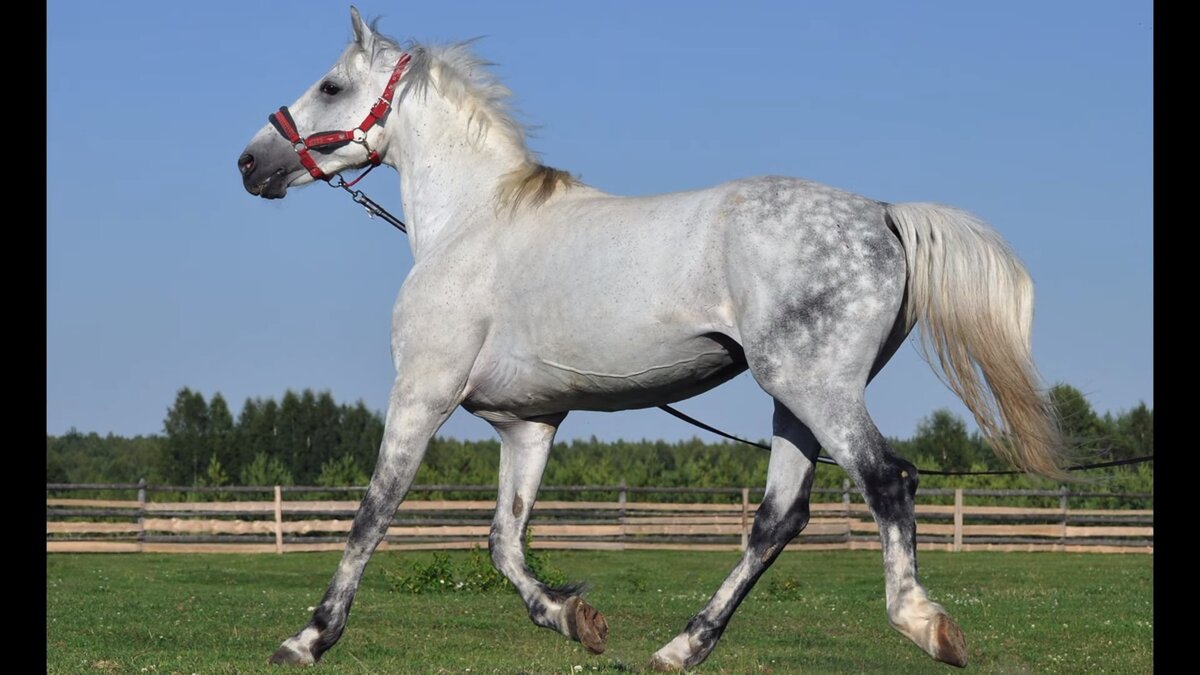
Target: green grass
813, 612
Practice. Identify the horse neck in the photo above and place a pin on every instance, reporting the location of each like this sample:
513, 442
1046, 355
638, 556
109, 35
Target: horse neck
449, 173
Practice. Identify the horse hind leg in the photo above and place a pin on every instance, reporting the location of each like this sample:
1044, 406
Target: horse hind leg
524, 448
782, 515
839, 420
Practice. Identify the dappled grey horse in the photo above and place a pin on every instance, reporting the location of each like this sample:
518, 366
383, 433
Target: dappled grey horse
532, 294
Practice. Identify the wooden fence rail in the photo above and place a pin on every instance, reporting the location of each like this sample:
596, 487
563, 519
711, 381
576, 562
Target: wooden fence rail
285, 523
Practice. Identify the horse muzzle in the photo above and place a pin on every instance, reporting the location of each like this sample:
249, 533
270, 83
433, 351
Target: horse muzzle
264, 177
273, 186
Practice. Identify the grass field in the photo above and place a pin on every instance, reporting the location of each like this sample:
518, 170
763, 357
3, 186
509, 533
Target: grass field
813, 612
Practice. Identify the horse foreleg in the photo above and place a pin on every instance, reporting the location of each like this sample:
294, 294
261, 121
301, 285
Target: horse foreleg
411, 421
524, 448
781, 516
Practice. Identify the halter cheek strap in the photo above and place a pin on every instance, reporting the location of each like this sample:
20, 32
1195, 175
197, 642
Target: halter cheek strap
331, 140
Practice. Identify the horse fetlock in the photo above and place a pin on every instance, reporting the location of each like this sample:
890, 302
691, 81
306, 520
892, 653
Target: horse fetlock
673, 656
684, 651
306, 647
293, 652
585, 624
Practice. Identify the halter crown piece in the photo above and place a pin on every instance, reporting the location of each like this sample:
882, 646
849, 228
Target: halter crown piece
329, 140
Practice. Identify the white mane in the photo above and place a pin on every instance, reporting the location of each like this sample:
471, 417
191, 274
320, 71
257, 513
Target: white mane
463, 79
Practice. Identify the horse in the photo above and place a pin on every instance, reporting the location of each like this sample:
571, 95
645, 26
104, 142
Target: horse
532, 294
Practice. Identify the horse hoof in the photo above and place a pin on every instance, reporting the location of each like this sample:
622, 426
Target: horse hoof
587, 625
949, 645
287, 656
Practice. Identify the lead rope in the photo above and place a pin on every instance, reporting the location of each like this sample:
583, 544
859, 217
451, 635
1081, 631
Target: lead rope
931, 472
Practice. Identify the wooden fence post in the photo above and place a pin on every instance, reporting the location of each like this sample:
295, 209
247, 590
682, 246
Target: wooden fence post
745, 517
278, 520
621, 497
846, 507
141, 533
958, 519
1062, 506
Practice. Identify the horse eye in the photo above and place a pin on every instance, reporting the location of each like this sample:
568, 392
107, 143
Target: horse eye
330, 89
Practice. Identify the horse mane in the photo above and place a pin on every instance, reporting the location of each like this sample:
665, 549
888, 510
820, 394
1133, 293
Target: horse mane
464, 79
534, 183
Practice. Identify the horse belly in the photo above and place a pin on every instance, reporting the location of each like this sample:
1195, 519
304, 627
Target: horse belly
654, 375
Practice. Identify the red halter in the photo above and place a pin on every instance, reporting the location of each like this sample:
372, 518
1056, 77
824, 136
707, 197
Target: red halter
286, 126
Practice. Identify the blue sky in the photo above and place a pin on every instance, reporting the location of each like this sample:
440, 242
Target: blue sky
162, 272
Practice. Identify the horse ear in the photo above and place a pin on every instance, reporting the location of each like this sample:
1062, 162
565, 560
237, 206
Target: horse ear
362, 32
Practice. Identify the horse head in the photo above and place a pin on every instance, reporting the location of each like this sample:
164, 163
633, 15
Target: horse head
353, 98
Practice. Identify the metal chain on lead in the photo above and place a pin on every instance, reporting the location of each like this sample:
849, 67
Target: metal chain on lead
373, 209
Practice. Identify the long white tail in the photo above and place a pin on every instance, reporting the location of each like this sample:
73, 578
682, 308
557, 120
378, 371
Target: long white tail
973, 302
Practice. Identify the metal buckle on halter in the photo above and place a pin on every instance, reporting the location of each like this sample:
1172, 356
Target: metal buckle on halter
359, 136
299, 145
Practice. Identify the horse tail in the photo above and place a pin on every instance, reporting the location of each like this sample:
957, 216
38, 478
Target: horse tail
973, 300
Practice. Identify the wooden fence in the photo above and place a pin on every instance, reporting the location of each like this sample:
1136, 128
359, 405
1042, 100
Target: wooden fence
287, 522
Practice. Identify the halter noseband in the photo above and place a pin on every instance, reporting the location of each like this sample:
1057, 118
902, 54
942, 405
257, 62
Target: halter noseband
286, 126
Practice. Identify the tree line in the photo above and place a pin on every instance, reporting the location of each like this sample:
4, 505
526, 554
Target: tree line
308, 438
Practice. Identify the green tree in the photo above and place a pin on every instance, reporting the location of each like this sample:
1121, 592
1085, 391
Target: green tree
1084, 432
325, 430
91, 458
361, 434
134, 458
186, 427
1135, 433
264, 470
292, 436
222, 439
942, 438
985, 455
245, 432
56, 469
341, 472
271, 424
214, 475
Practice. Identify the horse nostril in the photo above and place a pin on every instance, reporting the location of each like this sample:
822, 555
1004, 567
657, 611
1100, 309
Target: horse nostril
245, 163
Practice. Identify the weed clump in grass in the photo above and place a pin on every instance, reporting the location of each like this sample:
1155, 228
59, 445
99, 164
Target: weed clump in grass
473, 573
